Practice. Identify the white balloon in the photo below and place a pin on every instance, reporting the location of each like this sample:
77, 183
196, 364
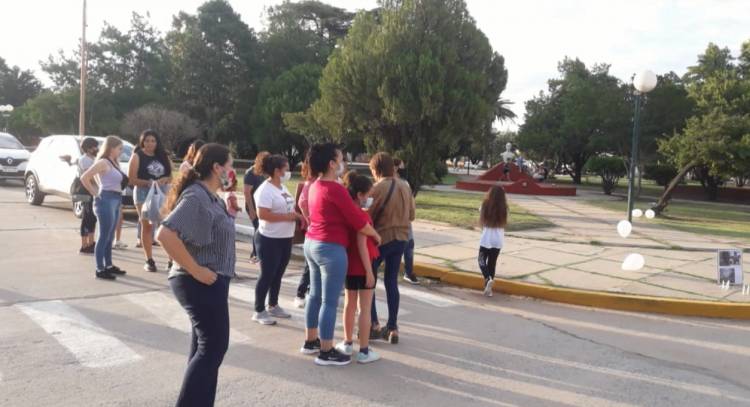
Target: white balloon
633, 262
637, 213
624, 228
650, 214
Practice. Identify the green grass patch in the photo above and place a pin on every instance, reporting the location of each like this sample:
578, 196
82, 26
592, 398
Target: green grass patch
703, 218
460, 209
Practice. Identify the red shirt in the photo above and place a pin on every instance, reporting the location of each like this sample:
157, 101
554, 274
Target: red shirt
356, 268
333, 214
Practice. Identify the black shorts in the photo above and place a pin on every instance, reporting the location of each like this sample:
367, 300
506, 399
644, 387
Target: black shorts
357, 283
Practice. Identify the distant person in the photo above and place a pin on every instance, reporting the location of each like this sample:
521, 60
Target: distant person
392, 212
493, 218
409, 275
149, 165
302, 204
199, 235
333, 216
230, 199
107, 193
89, 147
253, 179
187, 161
360, 279
278, 220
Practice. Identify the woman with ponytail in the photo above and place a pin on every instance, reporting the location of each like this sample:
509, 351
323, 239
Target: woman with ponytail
199, 235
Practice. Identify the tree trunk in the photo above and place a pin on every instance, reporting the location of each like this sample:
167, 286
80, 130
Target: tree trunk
667, 195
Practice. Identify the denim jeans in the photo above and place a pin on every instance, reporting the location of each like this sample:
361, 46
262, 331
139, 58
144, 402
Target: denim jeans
328, 263
107, 209
274, 255
207, 307
391, 253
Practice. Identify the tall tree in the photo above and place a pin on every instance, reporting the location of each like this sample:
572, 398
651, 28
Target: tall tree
17, 86
412, 79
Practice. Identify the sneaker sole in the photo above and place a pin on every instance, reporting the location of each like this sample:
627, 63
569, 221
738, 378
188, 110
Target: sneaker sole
364, 362
265, 322
412, 282
150, 270
321, 362
309, 351
282, 316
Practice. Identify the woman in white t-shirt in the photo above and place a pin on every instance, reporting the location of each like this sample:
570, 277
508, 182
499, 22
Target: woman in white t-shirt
493, 218
278, 220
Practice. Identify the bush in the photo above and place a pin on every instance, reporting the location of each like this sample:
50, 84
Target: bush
610, 169
662, 174
441, 171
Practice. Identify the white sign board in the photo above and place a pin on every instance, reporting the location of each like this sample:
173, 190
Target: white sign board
729, 266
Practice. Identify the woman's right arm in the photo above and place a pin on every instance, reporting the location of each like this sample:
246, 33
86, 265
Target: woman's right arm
177, 251
87, 178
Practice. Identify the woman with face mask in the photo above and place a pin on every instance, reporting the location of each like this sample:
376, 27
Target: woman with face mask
278, 220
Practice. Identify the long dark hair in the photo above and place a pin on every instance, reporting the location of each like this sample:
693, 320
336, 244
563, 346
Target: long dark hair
357, 184
320, 156
494, 208
203, 165
160, 153
193, 150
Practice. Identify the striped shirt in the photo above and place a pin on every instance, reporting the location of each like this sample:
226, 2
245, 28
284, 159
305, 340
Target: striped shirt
202, 222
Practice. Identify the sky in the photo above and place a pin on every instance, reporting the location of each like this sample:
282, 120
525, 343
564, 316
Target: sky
532, 35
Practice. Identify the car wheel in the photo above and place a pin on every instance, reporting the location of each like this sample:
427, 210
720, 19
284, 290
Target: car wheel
33, 195
78, 209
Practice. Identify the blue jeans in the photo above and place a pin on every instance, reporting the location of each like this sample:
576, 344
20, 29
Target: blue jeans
328, 263
391, 253
207, 307
107, 209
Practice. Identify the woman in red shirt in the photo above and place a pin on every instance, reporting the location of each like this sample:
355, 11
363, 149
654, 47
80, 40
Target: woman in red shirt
333, 216
360, 280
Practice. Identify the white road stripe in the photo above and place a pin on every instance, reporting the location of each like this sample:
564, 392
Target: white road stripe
424, 296
169, 311
91, 344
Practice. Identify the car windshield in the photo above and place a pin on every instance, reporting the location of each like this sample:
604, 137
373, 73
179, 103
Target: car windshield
10, 143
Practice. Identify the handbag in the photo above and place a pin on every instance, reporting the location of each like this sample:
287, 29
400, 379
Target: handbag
151, 210
125, 181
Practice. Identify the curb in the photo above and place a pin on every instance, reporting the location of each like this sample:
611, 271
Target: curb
596, 299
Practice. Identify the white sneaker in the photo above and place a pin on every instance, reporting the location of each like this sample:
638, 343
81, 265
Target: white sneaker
278, 312
263, 318
120, 245
488, 288
344, 348
370, 357
299, 302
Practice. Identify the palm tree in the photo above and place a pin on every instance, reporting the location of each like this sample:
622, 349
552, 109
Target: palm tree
503, 112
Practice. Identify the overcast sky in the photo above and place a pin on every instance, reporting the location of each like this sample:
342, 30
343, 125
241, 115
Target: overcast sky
533, 35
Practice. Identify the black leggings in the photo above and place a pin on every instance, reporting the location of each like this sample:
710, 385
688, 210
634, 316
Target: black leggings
88, 219
274, 255
488, 262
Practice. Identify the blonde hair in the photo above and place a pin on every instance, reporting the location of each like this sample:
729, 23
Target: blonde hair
110, 143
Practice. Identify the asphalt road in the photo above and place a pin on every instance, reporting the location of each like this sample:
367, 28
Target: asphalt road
67, 339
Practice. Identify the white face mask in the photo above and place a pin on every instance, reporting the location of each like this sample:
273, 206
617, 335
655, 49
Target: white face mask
286, 177
340, 170
368, 203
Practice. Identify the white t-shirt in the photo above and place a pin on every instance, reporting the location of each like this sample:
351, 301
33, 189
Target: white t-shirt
492, 238
280, 201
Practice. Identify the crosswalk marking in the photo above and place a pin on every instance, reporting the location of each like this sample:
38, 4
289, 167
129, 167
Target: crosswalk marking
426, 297
169, 311
91, 344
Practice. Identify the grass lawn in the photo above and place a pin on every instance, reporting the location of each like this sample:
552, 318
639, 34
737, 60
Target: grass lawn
703, 218
462, 210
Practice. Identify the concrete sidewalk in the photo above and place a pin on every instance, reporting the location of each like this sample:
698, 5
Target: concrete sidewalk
564, 255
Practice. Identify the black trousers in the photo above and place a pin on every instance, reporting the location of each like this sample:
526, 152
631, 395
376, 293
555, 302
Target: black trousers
274, 255
488, 262
207, 307
256, 224
88, 220
304, 282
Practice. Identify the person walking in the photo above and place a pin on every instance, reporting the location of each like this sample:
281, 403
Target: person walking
199, 235
493, 218
252, 181
333, 216
278, 219
392, 212
303, 191
149, 165
409, 275
360, 280
107, 194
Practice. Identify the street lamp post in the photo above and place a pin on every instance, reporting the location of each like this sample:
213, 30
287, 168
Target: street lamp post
5, 111
643, 83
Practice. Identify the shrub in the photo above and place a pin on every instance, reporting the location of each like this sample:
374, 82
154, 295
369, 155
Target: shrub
610, 169
662, 174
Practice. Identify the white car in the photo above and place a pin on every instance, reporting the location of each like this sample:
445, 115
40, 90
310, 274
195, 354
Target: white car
47, 173
13, 157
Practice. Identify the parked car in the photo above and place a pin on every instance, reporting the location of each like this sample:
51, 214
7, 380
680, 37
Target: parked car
13, 158
49, 173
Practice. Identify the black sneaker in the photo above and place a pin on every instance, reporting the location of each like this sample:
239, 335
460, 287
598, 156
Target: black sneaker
115, 270
150, 266
332, 358
105, 275
311, 347
411, 278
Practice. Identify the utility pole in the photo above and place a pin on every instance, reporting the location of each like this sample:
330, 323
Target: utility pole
84, 57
